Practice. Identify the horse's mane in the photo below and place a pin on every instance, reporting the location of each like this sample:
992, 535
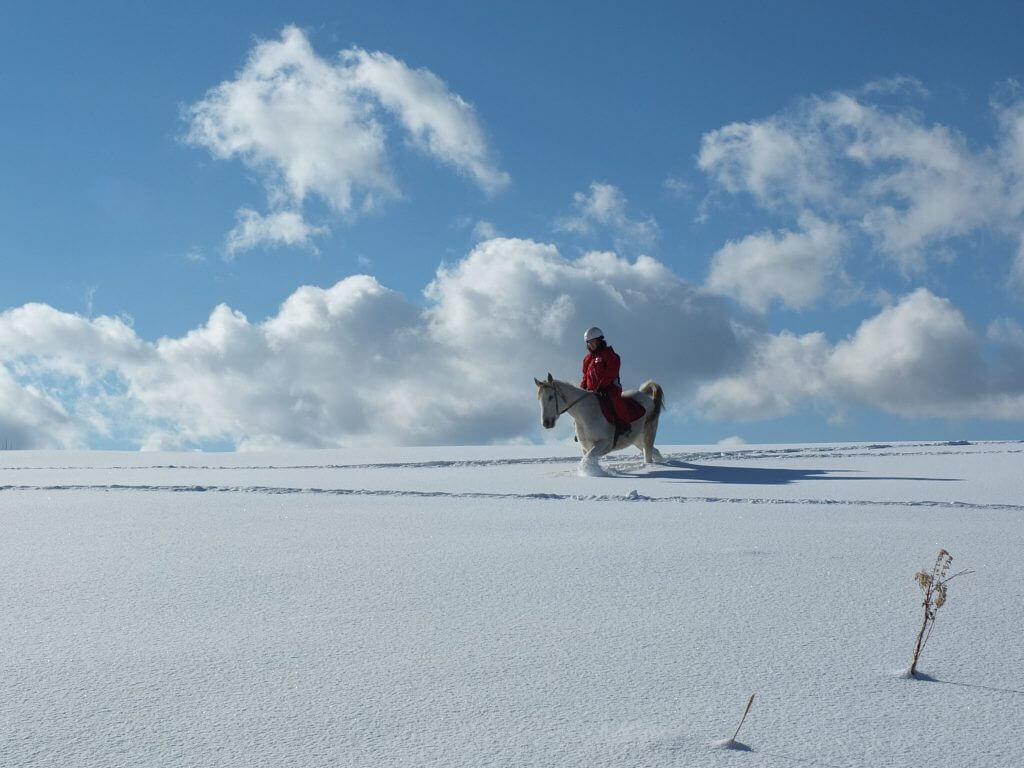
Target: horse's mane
560, 383
570, 385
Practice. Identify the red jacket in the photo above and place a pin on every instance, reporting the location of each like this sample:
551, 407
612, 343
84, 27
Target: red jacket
601, 369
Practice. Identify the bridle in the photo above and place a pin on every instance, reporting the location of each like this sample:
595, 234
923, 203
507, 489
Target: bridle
554, 388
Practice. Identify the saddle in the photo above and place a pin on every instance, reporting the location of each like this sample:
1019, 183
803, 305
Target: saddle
635, 411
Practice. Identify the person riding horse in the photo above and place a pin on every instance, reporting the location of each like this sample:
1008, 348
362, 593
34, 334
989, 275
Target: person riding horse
601, 375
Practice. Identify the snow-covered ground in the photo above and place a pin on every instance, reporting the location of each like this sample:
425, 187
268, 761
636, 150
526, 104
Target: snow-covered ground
490, 607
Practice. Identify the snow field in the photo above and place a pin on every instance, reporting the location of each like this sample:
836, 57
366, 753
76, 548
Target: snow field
508, 628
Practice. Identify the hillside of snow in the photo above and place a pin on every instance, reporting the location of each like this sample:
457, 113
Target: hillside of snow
469, 607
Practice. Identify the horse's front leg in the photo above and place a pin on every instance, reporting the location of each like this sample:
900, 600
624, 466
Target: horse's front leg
599, 449
591, 445
589, 464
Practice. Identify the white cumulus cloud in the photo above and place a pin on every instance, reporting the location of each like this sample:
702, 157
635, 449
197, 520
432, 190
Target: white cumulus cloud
311, 126
916, 358
792, 268
604, 206
357, 362
281, 228
781, 373
30, 418
776, 162
439, 122
911, 187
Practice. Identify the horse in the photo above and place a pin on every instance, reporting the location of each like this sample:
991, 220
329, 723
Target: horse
595, 434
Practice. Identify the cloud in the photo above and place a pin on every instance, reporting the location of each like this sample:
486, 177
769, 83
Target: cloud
310, 126
1011, 121
792, 268
1017, 269
357, 362
677, 187
439, 122
485, 230
306, 376
281, 228
66, 344
916, 358
909, 186
1008, 338
778, 163
898, 84
510, 294
780, 374
604, 207
31, 419
734, 441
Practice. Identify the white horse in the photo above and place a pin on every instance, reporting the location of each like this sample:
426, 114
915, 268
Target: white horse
595, 435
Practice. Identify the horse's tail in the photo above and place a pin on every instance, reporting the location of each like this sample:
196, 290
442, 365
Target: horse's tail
653, 389
651, 454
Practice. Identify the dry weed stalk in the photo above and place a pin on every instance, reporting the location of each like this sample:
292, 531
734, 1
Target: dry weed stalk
745, 711
934, 585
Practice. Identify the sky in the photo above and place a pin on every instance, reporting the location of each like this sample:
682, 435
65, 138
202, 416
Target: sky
260, 225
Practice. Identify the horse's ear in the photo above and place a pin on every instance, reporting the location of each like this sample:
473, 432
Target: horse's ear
538, 382
549, 378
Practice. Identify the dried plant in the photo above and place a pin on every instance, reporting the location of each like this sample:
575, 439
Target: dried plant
745, 711
732, 743
933, 584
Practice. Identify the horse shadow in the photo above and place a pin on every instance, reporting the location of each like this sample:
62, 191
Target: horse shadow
684, 471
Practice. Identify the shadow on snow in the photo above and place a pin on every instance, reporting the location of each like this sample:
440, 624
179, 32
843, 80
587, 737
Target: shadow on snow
709, 473
926, 678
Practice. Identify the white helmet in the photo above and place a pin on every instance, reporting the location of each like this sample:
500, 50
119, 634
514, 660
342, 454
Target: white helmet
593, 332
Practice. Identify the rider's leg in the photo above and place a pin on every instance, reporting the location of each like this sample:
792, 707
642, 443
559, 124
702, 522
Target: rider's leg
621, 410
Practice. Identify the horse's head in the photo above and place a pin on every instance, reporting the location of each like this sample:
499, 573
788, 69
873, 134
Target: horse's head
548, 397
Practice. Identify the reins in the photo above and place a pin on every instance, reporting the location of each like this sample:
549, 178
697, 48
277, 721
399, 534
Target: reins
554, 386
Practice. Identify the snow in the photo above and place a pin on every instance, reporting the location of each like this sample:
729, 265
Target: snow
492, 607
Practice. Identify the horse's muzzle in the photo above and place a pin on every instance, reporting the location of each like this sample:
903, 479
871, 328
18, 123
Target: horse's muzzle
549, 423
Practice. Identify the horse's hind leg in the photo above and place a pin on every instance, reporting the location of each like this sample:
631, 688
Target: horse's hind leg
651, 454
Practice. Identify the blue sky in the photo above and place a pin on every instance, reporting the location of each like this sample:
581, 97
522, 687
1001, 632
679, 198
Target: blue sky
804, 219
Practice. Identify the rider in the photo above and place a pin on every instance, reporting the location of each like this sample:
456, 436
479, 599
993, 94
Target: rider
601, 373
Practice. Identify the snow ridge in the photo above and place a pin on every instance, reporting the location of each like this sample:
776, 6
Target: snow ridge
742, 454
632, 496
